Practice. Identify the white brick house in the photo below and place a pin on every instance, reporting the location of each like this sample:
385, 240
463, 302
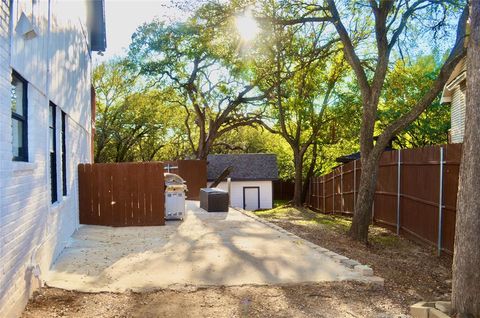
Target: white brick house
454, 94
45, 131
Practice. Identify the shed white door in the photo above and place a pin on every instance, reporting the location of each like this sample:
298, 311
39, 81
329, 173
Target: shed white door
251, 198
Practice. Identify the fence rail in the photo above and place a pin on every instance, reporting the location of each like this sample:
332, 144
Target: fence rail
415, 196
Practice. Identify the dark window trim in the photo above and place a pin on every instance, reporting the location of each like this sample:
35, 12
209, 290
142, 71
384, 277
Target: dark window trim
258, 192
53, 155
64, 154
23, 119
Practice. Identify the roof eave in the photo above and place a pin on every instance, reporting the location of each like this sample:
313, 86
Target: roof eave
96, 24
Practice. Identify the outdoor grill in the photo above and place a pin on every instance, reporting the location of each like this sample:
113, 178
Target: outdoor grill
175, 189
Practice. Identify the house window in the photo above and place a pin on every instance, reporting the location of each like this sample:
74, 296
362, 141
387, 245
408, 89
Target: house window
18, 97
53, 151
64, 155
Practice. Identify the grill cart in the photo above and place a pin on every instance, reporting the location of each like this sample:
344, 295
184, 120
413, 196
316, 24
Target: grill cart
175, 189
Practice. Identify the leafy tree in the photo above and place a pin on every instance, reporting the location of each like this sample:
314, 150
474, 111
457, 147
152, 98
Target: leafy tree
405, 84
211, 85
383, 26
298, 65
113, 82
131, 124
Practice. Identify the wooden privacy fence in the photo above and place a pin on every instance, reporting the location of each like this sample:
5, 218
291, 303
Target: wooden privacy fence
194, 172
283, 189
121, 194
415, 196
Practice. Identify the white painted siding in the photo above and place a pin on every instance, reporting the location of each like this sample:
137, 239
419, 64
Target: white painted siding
236, 197
33, 232
457, 129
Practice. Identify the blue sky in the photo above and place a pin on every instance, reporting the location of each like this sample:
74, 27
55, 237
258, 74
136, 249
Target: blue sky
124, 16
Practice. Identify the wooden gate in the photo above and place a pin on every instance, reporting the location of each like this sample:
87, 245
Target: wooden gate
121, 194
194, 172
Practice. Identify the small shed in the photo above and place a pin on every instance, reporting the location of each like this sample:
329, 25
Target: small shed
251, 178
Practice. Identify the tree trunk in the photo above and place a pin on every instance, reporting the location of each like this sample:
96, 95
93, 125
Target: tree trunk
466, 259
297, 194
310, 173
362, 218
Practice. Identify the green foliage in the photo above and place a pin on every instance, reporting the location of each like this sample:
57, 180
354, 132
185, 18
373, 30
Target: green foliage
180, 93
406, 83
197, 60
131, 124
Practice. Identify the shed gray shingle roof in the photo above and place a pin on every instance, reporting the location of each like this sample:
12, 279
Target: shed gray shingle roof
251, 166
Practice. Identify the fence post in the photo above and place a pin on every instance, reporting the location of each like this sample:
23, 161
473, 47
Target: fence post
318, 192
373, 210
399, 162
323, 185
310, 192
341, 188
440, 205
333, 194
354, 184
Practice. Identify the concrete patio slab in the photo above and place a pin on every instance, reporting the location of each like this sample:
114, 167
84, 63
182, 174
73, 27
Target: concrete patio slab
205, 249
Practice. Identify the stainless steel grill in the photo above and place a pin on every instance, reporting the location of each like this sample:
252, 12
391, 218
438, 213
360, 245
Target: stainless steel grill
175, 189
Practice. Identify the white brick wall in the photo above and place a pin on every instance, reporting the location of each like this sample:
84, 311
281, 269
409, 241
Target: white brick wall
32, 230
457, 114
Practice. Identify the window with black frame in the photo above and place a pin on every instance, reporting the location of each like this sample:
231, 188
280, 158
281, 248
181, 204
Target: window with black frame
64, 154
18, 98
53, 151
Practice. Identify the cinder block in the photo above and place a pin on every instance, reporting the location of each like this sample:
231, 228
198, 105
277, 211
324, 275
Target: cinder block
419, 310
377, 281
435, 313
364, 270
339, 258
330, 253
444, 306
350, 263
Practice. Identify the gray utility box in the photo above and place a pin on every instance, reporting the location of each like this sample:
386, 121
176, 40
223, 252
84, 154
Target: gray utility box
214, 200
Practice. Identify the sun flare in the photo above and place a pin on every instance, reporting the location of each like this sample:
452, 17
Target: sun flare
247, 26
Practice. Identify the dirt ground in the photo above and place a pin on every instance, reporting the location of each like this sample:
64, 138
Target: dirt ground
412, 273
312, 300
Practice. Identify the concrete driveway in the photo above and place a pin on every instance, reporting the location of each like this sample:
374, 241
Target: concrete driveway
205, 249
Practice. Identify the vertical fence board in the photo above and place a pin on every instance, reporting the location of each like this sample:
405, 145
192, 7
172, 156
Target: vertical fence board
141, 194
95, 195
453, 154
117, 194
158, 196
148, 193
348, 194
83, 199
386, 191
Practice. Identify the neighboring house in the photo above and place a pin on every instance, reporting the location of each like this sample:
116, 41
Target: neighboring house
251, 178
45, 132
454, 93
